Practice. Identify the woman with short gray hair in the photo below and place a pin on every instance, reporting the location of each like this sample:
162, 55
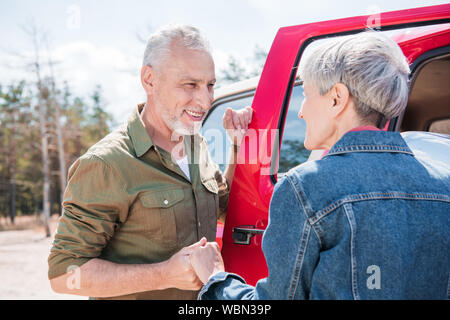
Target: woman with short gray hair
363, 77
367, 221
370, 65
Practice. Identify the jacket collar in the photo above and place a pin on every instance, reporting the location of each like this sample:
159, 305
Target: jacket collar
139, 136
370, 141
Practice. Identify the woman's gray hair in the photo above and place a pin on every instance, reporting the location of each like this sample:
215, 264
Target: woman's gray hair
370, 64
158, 44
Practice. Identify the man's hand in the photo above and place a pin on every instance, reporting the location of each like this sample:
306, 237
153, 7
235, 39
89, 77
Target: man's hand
207, 261
236, 123
179, 272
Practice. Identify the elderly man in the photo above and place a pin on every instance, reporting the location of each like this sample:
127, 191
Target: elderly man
141, 199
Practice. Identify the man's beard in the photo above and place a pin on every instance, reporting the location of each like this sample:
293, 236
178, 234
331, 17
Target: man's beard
180, 128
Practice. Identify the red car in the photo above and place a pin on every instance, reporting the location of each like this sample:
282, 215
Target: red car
424, 36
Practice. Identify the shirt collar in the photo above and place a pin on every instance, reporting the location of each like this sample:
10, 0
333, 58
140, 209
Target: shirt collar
139, 136
370, 141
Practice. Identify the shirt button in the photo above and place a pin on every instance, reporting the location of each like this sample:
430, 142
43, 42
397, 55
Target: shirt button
166, 202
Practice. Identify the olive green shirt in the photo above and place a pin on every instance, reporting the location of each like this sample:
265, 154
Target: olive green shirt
128, 202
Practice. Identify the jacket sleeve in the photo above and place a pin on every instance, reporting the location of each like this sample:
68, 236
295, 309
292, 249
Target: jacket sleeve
291, 249
93, 207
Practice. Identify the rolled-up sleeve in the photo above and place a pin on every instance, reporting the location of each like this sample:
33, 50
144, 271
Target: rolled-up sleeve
94, 205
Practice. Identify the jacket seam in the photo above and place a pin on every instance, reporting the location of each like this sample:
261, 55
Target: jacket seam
354, 151
376, 196
354, 276
300, 199
371, 148
299, 260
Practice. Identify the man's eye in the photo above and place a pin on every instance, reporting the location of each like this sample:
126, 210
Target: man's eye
191, 85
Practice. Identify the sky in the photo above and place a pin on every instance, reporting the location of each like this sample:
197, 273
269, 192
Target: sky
98, 42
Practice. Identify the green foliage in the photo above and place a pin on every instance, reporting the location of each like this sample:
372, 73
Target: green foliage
83, 122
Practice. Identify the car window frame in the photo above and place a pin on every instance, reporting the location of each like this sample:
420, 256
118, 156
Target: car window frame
415, 67
226, 99
230, 98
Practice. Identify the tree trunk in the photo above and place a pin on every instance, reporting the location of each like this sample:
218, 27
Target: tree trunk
12, 170
44, 135
13, 200
61, 153
45, 167
3, 183
59, 134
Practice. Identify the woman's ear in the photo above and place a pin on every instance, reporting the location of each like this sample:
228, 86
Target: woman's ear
340, 96
147, 77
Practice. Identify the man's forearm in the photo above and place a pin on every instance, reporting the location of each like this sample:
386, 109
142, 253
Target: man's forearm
232, 161
101, 278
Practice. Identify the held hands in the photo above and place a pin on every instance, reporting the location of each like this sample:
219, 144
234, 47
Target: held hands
179, 272
206, 260
192, 266
236, 123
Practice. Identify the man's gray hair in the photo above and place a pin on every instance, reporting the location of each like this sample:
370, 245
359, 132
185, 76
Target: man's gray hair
370, 64
158, 44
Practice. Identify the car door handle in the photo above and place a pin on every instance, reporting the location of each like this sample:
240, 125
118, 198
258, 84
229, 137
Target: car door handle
244, 234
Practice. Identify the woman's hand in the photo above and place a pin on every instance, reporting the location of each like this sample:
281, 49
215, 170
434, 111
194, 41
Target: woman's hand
207, 261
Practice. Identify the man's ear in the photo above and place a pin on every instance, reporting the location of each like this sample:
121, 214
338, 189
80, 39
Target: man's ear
147, 79
340, 96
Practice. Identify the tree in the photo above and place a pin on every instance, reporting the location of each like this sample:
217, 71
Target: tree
99, 120
234, 72
42, 96
44, 128
57, 122
238, 70
14, 107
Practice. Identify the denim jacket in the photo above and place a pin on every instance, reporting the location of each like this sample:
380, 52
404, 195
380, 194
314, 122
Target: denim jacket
367, 221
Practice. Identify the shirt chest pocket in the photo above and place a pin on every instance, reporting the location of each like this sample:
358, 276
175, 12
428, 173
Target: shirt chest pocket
212, 199
160, 208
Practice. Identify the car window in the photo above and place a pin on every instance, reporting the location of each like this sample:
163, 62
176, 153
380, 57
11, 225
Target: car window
293, 152
214, 133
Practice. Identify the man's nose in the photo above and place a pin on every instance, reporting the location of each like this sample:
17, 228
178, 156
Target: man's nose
204, 98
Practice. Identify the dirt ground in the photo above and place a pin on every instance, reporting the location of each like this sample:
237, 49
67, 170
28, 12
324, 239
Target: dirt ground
24, 249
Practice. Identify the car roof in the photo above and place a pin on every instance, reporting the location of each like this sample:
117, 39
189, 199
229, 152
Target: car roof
236, 87
413, 34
